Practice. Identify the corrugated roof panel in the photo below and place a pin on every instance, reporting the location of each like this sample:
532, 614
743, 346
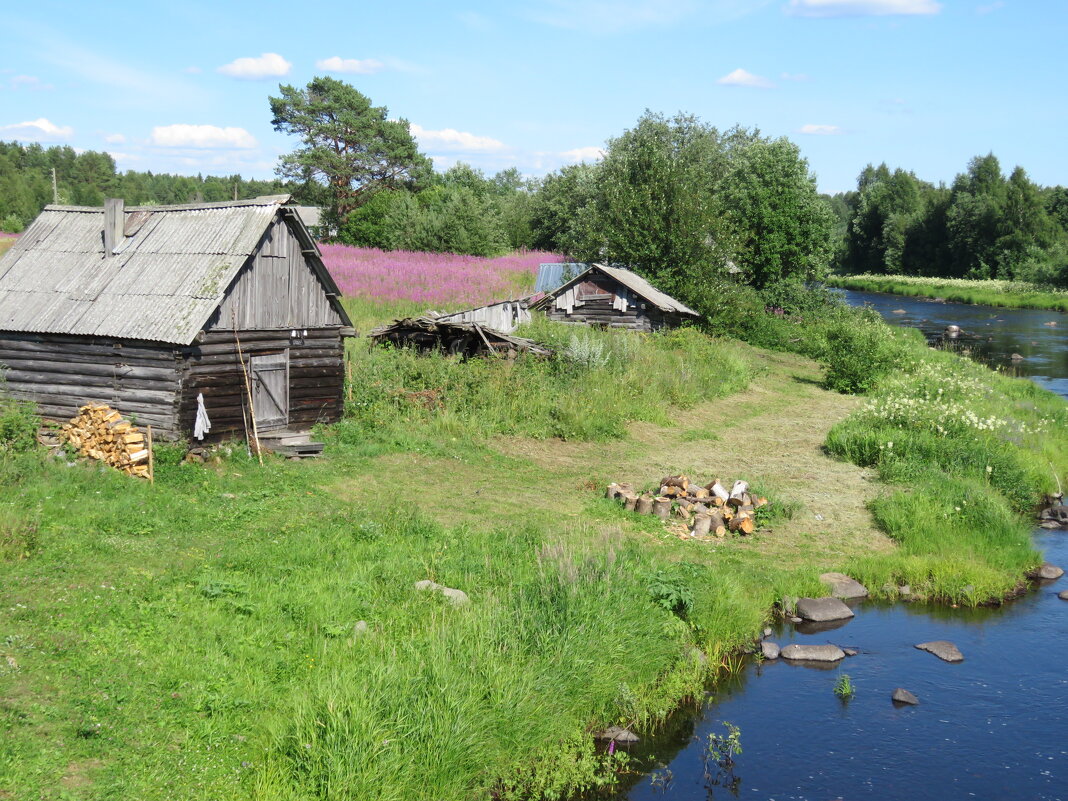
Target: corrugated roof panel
553, 275
163, 284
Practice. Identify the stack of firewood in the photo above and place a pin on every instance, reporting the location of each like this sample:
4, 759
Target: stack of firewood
100, 432
708, 510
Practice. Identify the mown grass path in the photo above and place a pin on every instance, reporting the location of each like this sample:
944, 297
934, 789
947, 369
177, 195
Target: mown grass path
770, 434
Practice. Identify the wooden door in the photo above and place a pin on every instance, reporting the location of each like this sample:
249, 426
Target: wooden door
270, 390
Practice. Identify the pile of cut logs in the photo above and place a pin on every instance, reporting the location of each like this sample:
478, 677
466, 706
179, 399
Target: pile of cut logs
100, 432
709, 510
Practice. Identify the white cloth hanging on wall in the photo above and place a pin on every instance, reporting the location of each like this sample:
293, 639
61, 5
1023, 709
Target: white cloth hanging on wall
202, 425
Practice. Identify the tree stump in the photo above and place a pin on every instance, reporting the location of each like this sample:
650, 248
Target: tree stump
630, 501
662, 508
644, 505
702, 524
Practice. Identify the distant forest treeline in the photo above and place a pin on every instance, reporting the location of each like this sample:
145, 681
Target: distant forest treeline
86, 178
984, 225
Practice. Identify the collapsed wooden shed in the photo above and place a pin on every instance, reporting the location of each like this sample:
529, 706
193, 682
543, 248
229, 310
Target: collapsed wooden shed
612, 297
152, 309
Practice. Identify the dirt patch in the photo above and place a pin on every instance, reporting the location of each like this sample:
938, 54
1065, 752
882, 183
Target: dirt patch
78, 775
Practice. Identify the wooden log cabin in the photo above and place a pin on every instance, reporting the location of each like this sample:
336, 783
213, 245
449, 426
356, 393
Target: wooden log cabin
614, 298
149, 308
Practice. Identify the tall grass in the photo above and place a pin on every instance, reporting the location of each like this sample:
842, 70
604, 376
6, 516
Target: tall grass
600, 381
1011, 294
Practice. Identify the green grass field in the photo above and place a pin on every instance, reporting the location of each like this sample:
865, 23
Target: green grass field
201, 638
1008, 294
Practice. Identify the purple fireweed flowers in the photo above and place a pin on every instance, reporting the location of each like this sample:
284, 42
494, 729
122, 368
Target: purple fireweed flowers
443, 279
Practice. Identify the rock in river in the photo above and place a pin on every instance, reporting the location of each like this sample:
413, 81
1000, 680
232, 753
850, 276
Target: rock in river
1046, 571
812, 653
770, 650
943, 649
842, 586
1063, 595
903, 696
823, 609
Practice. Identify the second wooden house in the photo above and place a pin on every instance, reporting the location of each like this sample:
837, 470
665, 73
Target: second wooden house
615, 298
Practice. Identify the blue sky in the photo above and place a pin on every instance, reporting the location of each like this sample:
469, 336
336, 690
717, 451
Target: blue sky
183, 87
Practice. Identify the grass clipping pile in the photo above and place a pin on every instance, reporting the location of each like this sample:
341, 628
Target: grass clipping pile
100, 432
706, 511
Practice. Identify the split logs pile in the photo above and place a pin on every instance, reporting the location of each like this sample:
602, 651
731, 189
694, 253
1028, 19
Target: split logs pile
708, 510
100, 432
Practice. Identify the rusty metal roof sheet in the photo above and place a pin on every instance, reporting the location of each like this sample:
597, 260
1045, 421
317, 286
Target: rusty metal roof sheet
163, 282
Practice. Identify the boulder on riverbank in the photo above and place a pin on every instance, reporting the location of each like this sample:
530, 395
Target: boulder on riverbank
796, 652
943, 649
903, 696
1046, 572
843, 586
617, 734
821, 610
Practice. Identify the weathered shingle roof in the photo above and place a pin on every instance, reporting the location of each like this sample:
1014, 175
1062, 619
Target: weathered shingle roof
167, 277
632, 281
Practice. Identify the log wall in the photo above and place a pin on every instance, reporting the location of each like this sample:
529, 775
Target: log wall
600, 311
212, 367
62, 373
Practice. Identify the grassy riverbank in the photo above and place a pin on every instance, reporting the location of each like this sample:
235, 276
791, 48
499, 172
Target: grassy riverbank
1009, 294
197, 638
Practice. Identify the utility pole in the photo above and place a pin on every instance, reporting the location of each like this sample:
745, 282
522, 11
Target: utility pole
55, 189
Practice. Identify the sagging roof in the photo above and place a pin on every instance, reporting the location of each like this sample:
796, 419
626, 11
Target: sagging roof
168, 274
632, 281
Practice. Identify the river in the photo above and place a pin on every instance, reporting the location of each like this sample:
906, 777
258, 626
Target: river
994, 726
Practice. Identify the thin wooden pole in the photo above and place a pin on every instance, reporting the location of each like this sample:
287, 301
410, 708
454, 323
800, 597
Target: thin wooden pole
151, 459
248, 389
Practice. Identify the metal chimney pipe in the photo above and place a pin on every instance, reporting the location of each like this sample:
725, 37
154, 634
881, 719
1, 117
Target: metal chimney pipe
114, 224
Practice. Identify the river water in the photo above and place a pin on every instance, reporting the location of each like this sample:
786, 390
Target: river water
994, 726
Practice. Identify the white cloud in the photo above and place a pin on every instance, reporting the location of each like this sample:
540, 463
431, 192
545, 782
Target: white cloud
201, 137
367, 66
115, 139
819, 130
591, 153
267, 65
39, 130
30, 82
862, 8
458, 141
742, 78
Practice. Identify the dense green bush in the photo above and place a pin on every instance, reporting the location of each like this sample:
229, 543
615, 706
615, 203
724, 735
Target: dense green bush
862, 351
18, 426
